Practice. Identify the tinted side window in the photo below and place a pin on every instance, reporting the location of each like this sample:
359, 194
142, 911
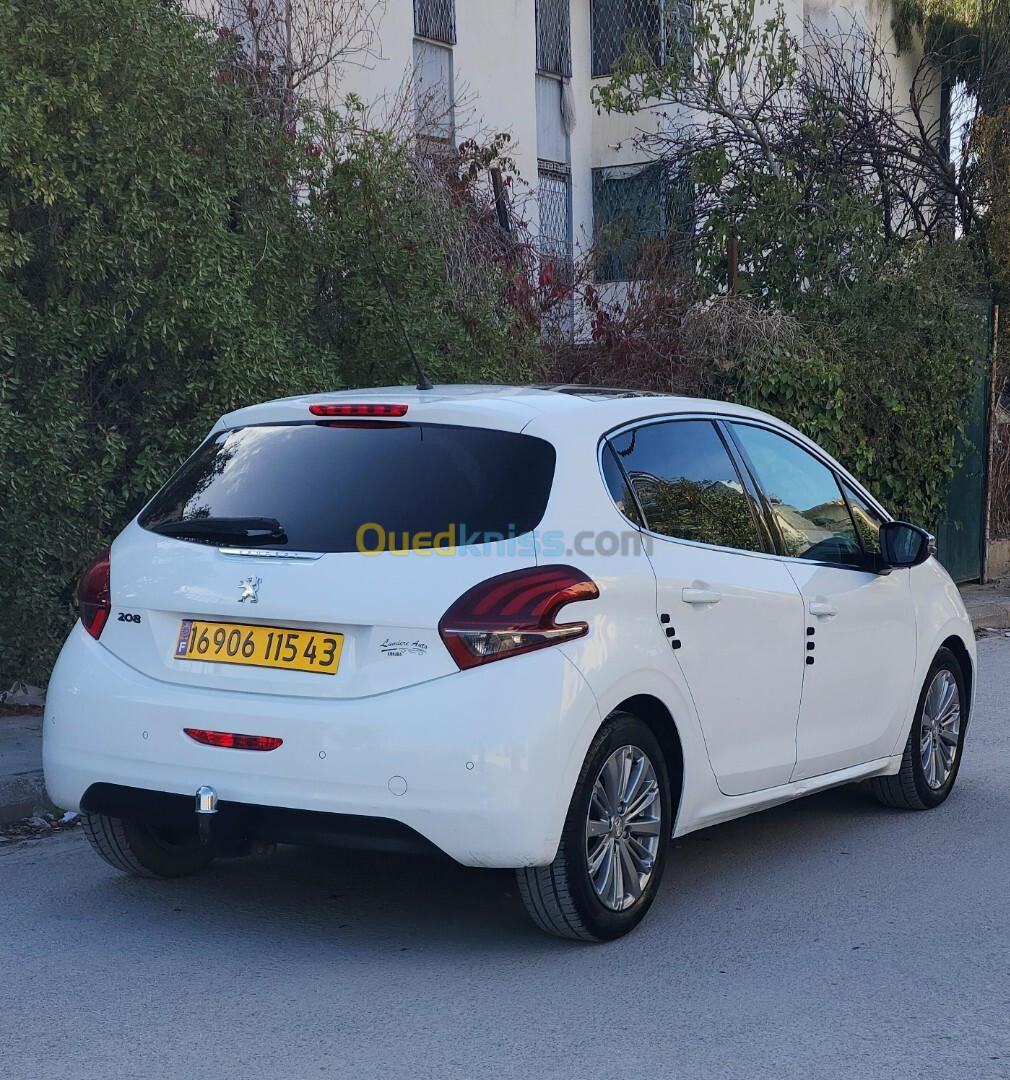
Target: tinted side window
617, 485
812, 515
687, 484
868, 521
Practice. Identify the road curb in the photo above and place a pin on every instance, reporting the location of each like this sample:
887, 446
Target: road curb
988, 606
21, 795
991, 619
22, 786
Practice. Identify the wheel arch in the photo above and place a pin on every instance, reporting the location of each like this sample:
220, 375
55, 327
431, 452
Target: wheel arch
658, 718
955, 645
662, 701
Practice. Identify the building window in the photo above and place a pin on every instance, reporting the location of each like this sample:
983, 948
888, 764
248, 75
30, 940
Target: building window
633, 205
433, 92
652, 27
436, 19
555, 212
554, 38
556, 246
552, 138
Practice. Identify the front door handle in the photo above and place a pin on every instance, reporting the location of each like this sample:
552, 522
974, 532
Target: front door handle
701, 596
823, 609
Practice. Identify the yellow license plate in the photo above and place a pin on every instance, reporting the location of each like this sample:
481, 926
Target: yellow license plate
259, 646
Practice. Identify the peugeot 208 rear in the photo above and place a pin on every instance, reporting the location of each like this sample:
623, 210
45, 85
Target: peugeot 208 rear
403, 619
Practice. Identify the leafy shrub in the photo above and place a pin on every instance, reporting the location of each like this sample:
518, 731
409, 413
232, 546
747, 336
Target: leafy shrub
895, 356
159, 265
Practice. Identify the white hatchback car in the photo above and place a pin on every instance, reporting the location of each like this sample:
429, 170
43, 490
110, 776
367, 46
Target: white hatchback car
536, 628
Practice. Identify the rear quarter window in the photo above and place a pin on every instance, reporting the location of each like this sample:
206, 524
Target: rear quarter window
686, 483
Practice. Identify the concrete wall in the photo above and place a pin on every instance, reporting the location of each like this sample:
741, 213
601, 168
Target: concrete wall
999, 560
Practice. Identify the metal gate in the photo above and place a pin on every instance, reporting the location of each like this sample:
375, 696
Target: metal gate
961, 536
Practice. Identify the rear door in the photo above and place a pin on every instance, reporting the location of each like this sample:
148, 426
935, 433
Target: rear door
733, 614
316, 559
860, 625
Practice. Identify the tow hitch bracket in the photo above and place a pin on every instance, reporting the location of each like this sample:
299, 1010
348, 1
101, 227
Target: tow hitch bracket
206, 808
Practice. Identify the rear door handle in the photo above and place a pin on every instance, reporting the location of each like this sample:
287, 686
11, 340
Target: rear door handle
823, 609
701, 596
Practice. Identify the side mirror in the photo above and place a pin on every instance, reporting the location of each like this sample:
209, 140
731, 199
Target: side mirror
903, 545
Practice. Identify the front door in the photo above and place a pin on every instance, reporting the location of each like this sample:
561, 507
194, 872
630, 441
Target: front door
733, 614
860, 625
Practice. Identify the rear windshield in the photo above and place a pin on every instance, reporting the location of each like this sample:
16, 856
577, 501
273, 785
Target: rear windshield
319, 485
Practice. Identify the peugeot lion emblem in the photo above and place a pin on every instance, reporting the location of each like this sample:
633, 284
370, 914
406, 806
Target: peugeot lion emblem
250, 587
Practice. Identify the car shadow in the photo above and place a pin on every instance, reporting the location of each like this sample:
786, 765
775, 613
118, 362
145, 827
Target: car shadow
312, 897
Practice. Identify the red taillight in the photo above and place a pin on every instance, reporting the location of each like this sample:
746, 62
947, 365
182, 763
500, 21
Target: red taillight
514, 614
364, 410
93, 596
229, 741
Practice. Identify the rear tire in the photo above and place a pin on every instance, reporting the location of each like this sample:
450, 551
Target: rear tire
614, 845
143, 850
932, 757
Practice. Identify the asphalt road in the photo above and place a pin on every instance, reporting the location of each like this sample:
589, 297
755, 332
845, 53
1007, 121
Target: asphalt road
831, 938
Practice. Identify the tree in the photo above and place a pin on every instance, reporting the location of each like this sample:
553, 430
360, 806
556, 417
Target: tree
968, 41
838, 196
407, 245
296, 50
169, 252
813, 141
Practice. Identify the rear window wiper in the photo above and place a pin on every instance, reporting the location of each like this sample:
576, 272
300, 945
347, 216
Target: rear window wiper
250, 530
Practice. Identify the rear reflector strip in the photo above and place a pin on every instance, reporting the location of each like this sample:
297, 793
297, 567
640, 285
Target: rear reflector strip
364, 410
233, 742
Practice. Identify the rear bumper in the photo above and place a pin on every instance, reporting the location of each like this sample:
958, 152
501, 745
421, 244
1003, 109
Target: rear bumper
488, 757
236, 822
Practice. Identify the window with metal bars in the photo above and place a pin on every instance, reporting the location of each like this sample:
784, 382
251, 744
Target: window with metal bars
555, 212
633, 205
554, 37
649, 27
436, 19
556, 246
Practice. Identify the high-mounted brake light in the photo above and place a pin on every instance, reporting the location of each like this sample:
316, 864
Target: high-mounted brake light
514, 613
363, 410
94, 595
229, 741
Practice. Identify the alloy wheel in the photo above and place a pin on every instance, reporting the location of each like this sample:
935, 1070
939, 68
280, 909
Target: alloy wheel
940, 729
623, 828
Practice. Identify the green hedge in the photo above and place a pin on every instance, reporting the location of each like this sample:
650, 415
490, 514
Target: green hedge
160, 265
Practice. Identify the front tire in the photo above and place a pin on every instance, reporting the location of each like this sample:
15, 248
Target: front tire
932, 757
614, 845
145, 851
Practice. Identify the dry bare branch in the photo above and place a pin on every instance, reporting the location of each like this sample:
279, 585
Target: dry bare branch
298, 49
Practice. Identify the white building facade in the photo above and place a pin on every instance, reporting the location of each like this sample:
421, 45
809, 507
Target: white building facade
528, 67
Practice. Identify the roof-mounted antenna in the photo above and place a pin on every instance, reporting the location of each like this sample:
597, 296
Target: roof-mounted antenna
422, 382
